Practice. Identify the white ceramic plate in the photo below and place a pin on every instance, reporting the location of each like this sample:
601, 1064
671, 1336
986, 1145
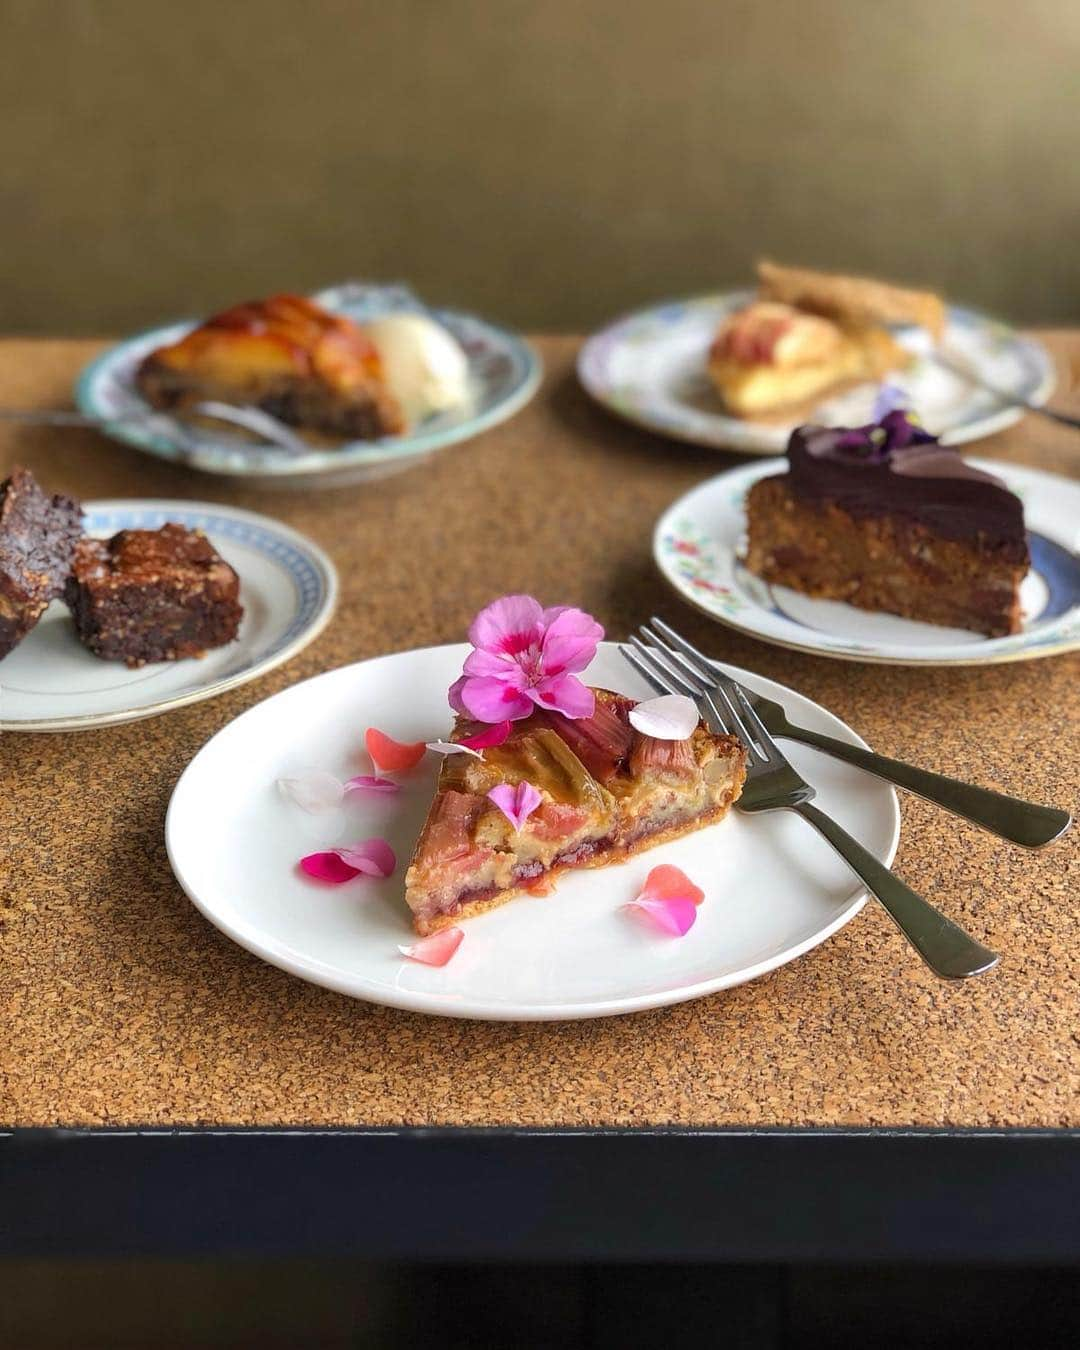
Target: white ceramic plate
699, 540
288, 587
773, 888
650, 367
504, 373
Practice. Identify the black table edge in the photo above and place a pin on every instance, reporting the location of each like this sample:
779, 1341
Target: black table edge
415, 1194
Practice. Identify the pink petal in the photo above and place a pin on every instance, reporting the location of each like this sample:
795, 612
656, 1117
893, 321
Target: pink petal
499, 664
328, 866
516, 803
453, 696
453, 748
671, 717
565, 694
570, 642
314, 791
675, 915
667, 882
489, 738
373, 857
435, 950
390, 754
366, 782
509, 624
491, 700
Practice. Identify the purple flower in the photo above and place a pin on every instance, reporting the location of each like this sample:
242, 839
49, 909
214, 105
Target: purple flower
526, 657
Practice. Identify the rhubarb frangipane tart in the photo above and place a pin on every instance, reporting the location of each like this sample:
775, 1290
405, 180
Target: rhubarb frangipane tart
600, 790
285, 355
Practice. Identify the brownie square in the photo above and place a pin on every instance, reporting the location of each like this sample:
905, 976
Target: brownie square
153, 595
38, 534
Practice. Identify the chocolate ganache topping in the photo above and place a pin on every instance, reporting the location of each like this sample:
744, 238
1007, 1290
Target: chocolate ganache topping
895, 468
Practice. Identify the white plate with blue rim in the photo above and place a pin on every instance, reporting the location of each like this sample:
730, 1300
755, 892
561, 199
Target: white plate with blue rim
699, 542
649, 367
503, 374
773, 888
288, 588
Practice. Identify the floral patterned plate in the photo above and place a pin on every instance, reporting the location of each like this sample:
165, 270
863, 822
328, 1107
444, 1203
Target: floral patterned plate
504, 373
650, 368
699, 540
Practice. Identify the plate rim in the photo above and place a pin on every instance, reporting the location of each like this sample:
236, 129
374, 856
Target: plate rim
985, 426
320, 463
760, 468
430, 1005
318, 556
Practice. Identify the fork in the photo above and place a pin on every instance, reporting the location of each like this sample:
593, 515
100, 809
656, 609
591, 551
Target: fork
1011, 818
268, 428
773, 785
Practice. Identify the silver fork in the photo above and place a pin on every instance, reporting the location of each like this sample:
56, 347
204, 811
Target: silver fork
268, 428
1011, 818
773, 785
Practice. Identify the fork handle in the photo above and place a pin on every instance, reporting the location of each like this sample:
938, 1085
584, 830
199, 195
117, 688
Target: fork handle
1021, 822
946, 948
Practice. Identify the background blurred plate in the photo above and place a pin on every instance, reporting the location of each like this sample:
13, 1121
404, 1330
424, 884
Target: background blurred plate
699, 540
649, 367
773, 888
504, 373
288, 587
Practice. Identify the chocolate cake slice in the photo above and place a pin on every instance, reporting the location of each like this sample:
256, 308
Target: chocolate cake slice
607, 792
38, 533
886, 518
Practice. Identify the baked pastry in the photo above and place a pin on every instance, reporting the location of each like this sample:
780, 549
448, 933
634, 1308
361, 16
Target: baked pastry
153, 595
809, 334
38, 533
286, 355
886, 518
606, 790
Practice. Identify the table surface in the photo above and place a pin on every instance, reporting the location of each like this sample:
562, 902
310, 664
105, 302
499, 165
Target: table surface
122, 1005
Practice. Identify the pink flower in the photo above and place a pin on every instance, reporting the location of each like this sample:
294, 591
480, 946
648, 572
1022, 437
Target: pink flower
526, 657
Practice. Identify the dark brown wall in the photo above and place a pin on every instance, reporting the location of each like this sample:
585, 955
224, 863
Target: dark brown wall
547, 162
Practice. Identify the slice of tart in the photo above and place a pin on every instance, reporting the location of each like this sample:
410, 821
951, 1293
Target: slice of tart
810, 334
606, 790
886, 518
286, 355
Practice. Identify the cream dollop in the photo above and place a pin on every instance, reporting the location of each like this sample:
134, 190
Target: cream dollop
424, 366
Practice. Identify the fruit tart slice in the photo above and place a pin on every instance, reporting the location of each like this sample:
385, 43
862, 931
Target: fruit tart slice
286, 355
605, 791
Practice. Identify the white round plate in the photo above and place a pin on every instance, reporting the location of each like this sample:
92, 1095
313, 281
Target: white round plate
504, 373
288, 587
650, 368
699, 541
773, 888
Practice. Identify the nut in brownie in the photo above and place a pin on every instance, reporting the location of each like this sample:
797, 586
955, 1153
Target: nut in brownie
153, 595
38, 534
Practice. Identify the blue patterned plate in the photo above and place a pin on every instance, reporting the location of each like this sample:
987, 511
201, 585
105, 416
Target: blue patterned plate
650, 368
288, 587
504, 373
699, 541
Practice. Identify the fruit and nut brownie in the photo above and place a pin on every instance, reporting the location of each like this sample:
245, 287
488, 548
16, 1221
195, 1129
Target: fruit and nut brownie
153, 595
38, 534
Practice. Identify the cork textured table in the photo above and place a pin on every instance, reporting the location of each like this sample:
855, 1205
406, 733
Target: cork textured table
121, 1005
